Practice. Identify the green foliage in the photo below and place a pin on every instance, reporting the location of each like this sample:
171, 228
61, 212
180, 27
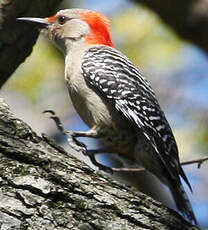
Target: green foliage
43, 67
203, 138
144, 39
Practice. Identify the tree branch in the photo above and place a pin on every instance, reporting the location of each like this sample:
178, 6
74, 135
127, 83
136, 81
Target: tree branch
198, 161
43, 187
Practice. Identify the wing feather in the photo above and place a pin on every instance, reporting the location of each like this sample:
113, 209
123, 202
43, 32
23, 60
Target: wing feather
117, 79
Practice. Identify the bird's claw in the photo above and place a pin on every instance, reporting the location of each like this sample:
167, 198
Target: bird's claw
57, 121
91, 154
49, 111
52, 114
105, 168
73, 142
77, 145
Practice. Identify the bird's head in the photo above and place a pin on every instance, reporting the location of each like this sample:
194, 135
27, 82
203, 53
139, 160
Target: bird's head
71, 26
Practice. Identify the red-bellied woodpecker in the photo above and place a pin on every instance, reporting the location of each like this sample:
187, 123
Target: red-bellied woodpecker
114, 98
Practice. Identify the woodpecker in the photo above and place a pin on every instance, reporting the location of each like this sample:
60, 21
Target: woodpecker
114, 98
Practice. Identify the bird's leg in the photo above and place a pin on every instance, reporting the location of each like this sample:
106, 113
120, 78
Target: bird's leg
71, 135
79, 146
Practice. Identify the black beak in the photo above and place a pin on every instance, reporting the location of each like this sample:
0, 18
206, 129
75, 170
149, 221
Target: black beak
40, 22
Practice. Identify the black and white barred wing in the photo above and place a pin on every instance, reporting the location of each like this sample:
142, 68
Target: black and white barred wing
116, 78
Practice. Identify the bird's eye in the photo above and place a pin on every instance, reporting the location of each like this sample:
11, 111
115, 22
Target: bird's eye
61, 20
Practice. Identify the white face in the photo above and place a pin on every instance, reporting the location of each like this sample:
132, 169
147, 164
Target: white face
66, 25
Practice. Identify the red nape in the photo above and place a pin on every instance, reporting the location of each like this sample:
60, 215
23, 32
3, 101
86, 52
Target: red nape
99, 28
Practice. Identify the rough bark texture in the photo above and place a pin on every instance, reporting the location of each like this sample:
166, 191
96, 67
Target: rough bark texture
189, 18
16, 39
43, 187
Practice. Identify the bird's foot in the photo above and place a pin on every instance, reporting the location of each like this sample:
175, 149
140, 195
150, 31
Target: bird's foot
71, 136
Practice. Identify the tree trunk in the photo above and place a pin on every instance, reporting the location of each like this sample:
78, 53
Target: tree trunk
16, 39
43, 187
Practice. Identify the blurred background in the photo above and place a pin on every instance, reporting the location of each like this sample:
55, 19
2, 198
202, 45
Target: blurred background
176, 69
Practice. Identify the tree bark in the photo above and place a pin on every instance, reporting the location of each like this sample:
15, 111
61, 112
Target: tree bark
16, 39
189, 18
43, 187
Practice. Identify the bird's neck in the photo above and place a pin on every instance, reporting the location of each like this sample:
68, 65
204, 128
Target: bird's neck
74, 47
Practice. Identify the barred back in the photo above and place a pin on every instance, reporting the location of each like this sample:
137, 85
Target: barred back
112, 74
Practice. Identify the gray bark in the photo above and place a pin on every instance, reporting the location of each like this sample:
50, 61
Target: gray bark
44, 187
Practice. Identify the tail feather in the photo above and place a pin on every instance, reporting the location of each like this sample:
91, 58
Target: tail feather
182, 202
185, 178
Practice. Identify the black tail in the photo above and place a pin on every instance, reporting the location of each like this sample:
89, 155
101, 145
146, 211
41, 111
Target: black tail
182, 202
